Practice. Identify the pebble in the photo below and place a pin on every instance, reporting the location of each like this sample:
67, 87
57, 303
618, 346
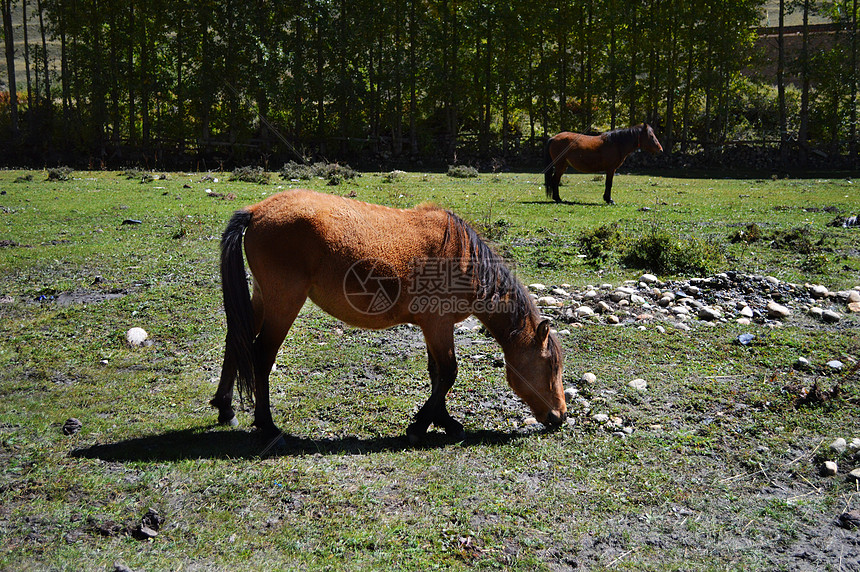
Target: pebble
648, 279
854, 475
72, 426
560, 292
816, 312
777, 311
854, 307
589, 377
583, 312
570, 394
801, 363
831, 317
829, 469
636, 299
709, 313
547, 301
854, 445
661, 329
746, 312
136, 337
537, 287
529, 421
613, 319
817, 290
835, 364
600, 417
639, 384
838, 446
604, 308
853, 296
743, 321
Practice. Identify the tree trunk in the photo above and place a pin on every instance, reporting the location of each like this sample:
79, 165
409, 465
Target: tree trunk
10, 66
780, 86
27, 58
803, 132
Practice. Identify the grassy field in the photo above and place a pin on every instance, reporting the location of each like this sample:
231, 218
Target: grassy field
719, 468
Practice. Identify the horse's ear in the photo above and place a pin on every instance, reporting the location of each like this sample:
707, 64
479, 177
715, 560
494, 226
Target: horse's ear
543, 331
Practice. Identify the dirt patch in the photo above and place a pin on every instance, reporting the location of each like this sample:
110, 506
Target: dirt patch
86, 297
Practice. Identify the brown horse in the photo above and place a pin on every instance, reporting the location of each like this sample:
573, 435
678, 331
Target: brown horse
374, 267
594, 154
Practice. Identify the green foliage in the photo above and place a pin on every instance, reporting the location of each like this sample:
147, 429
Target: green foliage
462, 171
664, 253
250, 175
333, 173
59, 173
752, 233
599, 244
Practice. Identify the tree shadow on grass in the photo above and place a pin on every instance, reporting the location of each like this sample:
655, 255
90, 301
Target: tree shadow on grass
238, 444
564, 202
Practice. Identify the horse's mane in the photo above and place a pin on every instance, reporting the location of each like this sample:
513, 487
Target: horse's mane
493, 280
624, 136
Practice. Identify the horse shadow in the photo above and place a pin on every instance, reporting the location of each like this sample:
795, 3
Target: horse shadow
212, 443
564, 202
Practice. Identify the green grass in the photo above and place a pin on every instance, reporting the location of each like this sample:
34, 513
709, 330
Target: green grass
720, 471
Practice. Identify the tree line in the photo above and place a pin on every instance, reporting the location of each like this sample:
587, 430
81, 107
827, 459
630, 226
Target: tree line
439, 80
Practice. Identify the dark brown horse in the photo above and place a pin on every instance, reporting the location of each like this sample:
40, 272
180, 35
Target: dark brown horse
375, 267
602, 153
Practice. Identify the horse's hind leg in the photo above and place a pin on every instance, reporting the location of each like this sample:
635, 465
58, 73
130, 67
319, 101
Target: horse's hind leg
560, 168
276, 324
442, 365
607, 193
223, 399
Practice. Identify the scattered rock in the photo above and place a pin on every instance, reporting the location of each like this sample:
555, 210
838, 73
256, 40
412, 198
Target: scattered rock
529, 421
817, 290
777, 311
613, 319
746, 312
120, 567
854, 445
570, 394
745, 339
639, 384
72, 426
830, 316
136, 337
583, 312
600, 417
537, 287
547, 301
829, 469
709, 313
648, 279
849, 520
589, 378
802, 363
854, 307
853, 476
838, 446
835, 364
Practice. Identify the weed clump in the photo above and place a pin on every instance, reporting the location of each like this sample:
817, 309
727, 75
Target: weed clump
250, 175
752, 233
334, 173
599, 244
661, 252
462, 172
59, 173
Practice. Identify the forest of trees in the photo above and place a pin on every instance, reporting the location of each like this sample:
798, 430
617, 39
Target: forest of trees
261, 81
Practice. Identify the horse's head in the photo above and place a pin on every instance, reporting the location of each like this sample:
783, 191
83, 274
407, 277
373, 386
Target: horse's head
534, 372
648, 141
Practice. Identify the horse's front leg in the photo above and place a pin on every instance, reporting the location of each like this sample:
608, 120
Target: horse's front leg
442, 366
607, 194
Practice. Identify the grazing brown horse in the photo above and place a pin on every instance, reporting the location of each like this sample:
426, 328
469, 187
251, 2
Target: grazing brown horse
594, 154
374, 267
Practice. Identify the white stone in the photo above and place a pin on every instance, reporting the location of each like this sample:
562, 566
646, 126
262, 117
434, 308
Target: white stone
853, 296
589, 377
648, 278
590, 295
600, 417
639, 384
529, 421
604, 308
835, 364
680, 310
661, 329
801, 363
816, 312
560, 292
709, 313
547, 301
606, 286
817, 290
854, 445
854, 475
777, 311
838, 446
584, 312
636, 299
136, 337
829, 469
746, 312
613, 319
743, 321
831, 316
772, 279
570, 394
537, 287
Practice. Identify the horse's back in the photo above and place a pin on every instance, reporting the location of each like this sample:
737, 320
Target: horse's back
317, 241
585, 153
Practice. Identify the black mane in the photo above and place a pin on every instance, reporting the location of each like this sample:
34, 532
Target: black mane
493, 280
627, 136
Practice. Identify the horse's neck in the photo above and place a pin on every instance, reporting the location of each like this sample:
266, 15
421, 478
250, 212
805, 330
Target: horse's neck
506, 325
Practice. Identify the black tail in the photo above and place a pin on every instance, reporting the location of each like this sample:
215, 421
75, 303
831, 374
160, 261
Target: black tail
549, 171
237, 303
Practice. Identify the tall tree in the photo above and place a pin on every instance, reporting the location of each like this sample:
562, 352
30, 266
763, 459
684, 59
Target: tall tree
6, 8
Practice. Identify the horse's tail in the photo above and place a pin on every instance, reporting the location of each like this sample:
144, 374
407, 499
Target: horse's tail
237, 303
549, 171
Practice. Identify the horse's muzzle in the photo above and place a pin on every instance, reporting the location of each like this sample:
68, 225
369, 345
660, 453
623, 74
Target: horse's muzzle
554, 419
